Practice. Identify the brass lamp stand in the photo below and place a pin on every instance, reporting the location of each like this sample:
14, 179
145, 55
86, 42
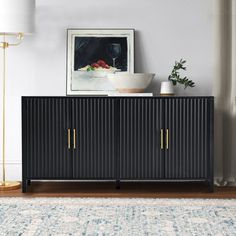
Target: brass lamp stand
6, 185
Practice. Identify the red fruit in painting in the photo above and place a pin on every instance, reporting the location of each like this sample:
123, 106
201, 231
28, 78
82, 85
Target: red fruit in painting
107, 67
96, 65
101, 63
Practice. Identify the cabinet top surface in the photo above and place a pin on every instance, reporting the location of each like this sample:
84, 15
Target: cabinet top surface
120, 97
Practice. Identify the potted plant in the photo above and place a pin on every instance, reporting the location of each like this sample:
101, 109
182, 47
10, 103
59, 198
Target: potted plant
175, 78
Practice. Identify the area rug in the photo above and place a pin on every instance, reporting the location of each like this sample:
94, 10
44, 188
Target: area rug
113, 216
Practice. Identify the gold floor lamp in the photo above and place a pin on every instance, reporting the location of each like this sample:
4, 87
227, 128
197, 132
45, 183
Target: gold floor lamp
16, 20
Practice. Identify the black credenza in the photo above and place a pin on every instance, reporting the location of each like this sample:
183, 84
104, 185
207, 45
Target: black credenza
117, 138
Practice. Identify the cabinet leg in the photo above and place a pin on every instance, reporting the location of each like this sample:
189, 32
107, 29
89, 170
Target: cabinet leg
28, 182
24, 186
211, 186
117, 184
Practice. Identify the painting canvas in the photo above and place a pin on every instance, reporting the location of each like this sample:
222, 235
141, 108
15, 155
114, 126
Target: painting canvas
93, 54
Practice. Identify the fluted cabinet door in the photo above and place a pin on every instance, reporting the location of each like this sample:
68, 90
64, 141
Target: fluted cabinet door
45, 142
93, 138
140, 154
187, 138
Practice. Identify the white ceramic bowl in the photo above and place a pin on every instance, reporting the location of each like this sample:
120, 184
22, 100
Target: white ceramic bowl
130, 82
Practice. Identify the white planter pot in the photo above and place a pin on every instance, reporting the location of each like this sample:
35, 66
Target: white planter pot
167, 88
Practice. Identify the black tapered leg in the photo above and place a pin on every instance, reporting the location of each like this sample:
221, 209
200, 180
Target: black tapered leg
211, 186
24, 186
117, 184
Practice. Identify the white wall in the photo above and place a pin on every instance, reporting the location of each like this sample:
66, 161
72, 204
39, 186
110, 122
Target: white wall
166, 30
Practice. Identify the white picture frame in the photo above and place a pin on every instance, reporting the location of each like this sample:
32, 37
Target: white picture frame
112, 48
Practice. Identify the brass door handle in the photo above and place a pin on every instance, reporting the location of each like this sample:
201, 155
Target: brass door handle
74, 138
167, 139
68, 138
162, 146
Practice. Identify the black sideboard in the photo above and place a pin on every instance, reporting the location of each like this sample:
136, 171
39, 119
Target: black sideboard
117, 138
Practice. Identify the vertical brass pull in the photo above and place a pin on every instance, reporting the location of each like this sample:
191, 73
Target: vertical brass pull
74, 137
162, 146
167, 139
68, 138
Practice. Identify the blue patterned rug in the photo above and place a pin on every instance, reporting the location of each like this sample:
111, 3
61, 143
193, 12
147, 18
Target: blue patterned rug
113, 216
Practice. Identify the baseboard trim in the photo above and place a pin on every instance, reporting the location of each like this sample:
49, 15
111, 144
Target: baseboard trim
12, 163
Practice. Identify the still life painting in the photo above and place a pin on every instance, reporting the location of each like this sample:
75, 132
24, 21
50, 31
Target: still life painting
93, 54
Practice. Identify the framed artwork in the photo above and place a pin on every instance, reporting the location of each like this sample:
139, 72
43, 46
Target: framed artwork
92, 54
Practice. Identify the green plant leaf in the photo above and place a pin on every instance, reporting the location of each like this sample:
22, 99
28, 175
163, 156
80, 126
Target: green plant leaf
175, 75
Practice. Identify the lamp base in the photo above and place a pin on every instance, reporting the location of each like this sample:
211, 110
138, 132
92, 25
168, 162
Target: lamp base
9, 185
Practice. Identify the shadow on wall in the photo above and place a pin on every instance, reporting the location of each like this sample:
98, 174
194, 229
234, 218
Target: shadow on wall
141, 63
142, 66
139, 54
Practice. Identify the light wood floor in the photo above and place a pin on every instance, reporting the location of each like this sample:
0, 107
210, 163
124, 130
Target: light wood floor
145, 190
